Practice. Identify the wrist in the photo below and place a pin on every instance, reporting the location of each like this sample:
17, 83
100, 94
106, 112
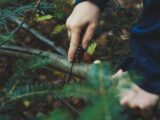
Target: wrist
98, 3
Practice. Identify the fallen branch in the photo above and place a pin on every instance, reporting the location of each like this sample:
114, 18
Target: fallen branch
57, 61
40, 37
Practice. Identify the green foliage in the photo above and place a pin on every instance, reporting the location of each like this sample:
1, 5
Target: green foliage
11, 13
91, 48
58, 29
24, 71
6, 37
99, 92
31, 91
57, 115
6, 1
20, 86
45, 17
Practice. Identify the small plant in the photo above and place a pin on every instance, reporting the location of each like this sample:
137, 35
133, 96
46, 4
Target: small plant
100, 91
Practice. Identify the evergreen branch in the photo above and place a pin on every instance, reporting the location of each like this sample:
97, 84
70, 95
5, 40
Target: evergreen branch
20, 75
26, 91
37, 90
56, 61
9, 37
31, 94
70, 106
40, 90
13, 87
6, 37
57, 114
78, 91
10, 13
84, 71
20, 11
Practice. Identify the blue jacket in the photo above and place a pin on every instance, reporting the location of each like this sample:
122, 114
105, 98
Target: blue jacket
145, 41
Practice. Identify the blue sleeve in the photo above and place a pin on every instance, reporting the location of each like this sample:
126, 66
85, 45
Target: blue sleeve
145, 42
100, 3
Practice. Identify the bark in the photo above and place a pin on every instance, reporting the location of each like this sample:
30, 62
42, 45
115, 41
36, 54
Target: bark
57, 61
40, 37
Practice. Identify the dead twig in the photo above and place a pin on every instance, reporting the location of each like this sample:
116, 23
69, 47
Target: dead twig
42, 38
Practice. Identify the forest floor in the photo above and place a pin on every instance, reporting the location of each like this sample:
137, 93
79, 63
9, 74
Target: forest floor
112, 46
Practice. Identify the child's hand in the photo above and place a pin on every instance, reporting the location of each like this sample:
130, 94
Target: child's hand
85, 16
138, 99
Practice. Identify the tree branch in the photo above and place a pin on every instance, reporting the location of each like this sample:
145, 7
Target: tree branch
57, 61
40, 37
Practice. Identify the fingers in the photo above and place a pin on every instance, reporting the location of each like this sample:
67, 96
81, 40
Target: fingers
118, 74
74, 36
88, 35
75, 40
139, 100
69, 34
74, 33
127, 97
141, 106
74, 30
81, 18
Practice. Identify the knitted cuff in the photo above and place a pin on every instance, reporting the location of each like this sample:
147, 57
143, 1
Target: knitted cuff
100, 3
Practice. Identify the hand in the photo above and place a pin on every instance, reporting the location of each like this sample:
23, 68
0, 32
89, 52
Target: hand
85, 16
137, 99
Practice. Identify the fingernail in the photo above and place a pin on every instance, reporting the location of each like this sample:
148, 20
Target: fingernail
84, 47
69, 59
